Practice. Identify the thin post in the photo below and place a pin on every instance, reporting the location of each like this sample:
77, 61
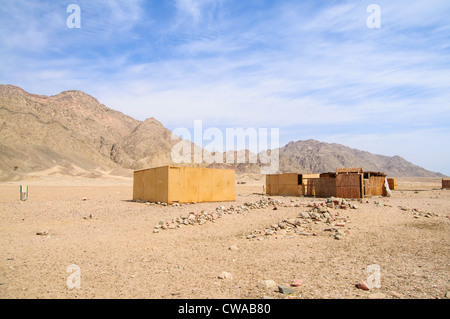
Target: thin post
23, 194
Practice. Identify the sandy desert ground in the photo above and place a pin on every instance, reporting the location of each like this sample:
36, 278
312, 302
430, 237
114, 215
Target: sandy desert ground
92, 223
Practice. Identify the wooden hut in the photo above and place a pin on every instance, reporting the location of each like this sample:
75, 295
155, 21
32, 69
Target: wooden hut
344, 183
392, 183
446, 183
290, 184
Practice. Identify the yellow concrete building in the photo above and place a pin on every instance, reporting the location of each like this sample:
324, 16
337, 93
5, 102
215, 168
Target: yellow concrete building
174, 184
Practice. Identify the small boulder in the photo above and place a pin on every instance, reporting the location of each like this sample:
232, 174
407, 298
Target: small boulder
285, 290
297, 283
225, 275
267, 284
362, 285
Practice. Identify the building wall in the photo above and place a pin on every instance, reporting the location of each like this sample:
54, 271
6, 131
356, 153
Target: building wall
374, 186
272, 184
392, 183
320, 187
349, 185
446, 183
151, 184
138, 185
288, 184
304, 189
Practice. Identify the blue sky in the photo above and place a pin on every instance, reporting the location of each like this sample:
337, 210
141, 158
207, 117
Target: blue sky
313, 69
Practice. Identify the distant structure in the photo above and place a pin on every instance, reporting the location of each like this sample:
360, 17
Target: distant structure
23, 193
344, 183
392, 183
174, 184
446, 183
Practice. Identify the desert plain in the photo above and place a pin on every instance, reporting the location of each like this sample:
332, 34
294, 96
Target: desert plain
121, 251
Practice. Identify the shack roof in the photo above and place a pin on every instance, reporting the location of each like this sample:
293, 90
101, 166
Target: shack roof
357, 170
349, 170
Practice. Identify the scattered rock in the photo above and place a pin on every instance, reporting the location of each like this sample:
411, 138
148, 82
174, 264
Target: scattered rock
318, 213
304, 215
297, 283
323, 210
339, 235
90, 216
204, 216
225, 275
301, 233
42, 233
362, 285
267, 284
233, 248
285, 290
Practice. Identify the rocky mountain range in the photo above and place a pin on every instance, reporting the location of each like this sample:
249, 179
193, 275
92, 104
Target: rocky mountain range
75, 133
315, 156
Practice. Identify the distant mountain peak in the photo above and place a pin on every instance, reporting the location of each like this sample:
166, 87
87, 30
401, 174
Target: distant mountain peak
318, 157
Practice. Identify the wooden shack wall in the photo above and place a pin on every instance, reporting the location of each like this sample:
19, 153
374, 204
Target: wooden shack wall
349, 185
374, 186
304, 189
392, 183
320, 187
344, 185
446, 183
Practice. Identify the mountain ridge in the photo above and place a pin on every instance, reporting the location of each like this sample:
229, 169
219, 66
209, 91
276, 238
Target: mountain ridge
315, 156
73, 129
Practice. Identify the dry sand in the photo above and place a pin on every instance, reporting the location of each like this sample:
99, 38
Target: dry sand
93, 224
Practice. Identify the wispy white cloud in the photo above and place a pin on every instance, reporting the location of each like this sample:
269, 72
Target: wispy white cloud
194, 11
